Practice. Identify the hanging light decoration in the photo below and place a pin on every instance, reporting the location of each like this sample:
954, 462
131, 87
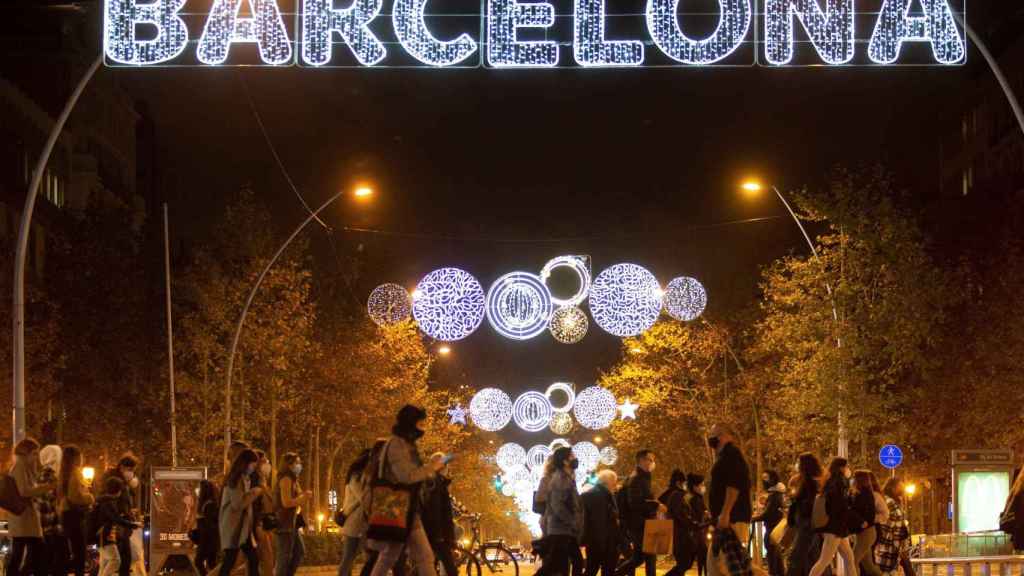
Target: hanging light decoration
588, 454
579, 265
519, 305
595, 408
568, 325
685, 299
510, 457
388, 304
448, 304
609, 455
561, 423
566, 389
532, 411
537, 457
490, 409
625, 300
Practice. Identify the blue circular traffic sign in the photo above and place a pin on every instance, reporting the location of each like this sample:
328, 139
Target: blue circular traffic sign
890, 456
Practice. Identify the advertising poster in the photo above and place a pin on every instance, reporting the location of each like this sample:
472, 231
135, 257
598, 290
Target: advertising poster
173, 504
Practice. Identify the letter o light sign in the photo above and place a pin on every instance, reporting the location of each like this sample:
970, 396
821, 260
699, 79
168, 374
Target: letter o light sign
532, 33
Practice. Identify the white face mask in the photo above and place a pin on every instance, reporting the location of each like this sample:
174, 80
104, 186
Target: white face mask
134, 482
297, 469
701, 490
265, 469
129, 475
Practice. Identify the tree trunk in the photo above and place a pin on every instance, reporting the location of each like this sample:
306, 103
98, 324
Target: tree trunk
307, 481
316, 475
273, 424
206, 407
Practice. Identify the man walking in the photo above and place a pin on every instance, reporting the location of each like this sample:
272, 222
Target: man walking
601, 528
641, 506
729, 504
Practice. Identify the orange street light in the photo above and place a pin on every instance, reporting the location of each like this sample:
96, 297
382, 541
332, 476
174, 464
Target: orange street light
88, 473
363, 192
751, 186
444, 350
910, 489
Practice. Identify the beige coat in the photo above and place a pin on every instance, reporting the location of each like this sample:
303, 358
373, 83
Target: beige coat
26, 524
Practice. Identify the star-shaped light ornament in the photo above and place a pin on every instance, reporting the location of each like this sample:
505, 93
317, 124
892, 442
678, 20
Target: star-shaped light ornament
457, 415
627, 410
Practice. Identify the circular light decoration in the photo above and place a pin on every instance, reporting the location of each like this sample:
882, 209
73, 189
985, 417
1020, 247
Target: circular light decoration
570, 395
532, 412
595, 408
510, 457
625, 300
519, 305
577, 264
537, 457
568, 325
559, 443
609, 456
508, 490
448, 304
490, 409
561, 423
685, 299
588, 455
388, 304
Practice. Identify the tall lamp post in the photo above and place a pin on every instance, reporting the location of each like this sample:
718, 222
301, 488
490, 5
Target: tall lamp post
359, 192
755, 187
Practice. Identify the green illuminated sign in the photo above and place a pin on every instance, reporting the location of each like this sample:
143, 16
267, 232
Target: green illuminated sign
980, 498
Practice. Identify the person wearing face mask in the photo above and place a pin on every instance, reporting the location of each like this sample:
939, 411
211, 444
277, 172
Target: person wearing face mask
127, 504
641, 506
264, 514
288, 501
771, 515
439, 517
835, 534
236, 516
681, 514
27, 552
401, 465
728, 501
695, 490
563, 513
801, 513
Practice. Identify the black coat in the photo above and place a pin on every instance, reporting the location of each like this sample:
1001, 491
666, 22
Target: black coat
838, 506
699, 510
438, 517
684, 544
773, 513
862, 509
601, 527
642, 505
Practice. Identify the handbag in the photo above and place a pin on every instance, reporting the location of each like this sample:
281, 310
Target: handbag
10, 498
819, 516
782, 535
269, 522
658, 535
391, 506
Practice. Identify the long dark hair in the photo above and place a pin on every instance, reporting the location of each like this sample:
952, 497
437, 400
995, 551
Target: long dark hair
240, 466
358, 466
207, 493
835, 473
285, 471
810, 470
557, 461
862, 482
70, 461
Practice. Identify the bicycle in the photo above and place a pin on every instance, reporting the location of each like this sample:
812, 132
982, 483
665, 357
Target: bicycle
493, 555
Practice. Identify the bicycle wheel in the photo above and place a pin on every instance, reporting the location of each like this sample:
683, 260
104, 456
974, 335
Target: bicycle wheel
466, 564
498, 559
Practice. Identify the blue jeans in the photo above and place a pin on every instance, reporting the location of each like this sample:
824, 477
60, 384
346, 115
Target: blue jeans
289, 549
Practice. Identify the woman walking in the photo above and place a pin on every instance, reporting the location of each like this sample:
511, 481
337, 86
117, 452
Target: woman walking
25, 529
74, 503
683, 545
263, 512
836, 532
208, 545
399, 464
288, 500
801, 512
893, 534
701, 517
563, 513
236, 517
353, 517
862, 516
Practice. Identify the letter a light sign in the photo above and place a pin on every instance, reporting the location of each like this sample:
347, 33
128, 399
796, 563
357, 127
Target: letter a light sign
533, 33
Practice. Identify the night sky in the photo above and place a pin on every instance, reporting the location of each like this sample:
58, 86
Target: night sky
496, 171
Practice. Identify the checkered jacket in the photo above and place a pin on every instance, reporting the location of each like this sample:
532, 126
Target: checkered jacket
893, 538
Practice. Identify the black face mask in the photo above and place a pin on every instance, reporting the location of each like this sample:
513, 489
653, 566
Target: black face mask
574, 464
713, 443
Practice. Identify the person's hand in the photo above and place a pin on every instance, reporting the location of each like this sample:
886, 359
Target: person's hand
723, 522
662, 509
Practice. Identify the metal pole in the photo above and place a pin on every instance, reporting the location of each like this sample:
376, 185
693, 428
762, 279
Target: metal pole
18, 310
245, 311
170, 337
843, 449
996, 70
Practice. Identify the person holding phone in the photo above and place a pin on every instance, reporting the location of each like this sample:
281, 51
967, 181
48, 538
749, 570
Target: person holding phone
438, 514
288, 500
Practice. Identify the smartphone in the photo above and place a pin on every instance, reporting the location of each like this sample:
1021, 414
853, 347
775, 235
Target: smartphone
447, 458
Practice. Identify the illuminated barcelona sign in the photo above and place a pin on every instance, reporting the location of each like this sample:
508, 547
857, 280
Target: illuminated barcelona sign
533, 34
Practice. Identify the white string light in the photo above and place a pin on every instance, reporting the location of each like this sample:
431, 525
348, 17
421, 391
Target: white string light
831, 30
685, 299
588, 454
609, 455
265, 28
627, 410
564, 388
448, 304
532, 412
733, 25
507, 489
561, 423
936, 26
590, 49
417, 40
595, 408
625, 300
579, 265
388, 304
536, 457
568, 325
559, 443
510, 457
504, 49
121, 21
490, 409
519, 305
320, 21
